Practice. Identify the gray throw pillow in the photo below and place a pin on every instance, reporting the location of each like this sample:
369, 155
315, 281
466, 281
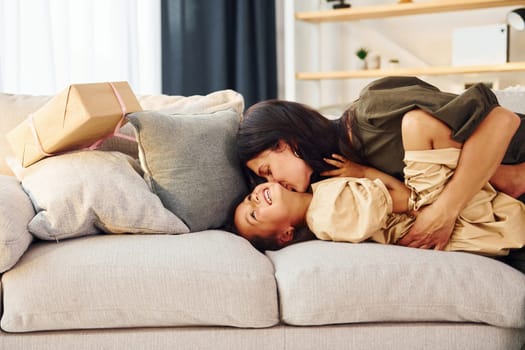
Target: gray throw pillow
15, 213
89, 192
191, 163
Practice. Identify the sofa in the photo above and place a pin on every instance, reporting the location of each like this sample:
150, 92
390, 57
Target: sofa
125, 248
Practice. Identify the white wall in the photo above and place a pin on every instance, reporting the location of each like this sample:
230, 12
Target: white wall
422, 40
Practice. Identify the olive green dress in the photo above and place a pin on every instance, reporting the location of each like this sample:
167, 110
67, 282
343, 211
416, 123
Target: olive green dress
376, 118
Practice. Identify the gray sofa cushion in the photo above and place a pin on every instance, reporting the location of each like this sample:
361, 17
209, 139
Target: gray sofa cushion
331, 283
203, 278
16, 211
512, 98
191, 163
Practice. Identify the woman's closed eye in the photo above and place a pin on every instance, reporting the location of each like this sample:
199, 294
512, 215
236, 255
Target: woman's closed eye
265, 172
252, 214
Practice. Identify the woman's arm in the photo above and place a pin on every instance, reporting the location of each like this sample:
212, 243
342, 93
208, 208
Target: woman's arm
397, 189
481, 154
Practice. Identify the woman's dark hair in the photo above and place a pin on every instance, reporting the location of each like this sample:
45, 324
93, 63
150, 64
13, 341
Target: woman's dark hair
310, 134
347, 145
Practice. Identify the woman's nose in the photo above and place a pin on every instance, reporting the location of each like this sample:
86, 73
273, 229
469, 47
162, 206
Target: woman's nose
270, 178
285, 185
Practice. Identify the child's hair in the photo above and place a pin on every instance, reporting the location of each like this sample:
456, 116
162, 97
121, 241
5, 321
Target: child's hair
265, 243
262, 244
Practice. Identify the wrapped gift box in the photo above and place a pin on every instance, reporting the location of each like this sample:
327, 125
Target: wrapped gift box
74, 119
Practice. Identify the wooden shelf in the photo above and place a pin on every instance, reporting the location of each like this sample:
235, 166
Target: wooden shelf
424, 71
395, 9
405, 9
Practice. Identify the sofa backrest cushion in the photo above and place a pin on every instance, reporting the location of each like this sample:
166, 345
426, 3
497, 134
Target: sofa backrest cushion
333, 282
512, 98
15, 108
16, 211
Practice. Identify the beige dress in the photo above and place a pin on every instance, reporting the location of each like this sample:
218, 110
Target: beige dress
357, 210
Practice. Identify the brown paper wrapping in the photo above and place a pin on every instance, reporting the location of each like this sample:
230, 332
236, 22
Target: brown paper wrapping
74, 119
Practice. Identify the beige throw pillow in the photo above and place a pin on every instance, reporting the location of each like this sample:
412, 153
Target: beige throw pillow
15, 213
89, 192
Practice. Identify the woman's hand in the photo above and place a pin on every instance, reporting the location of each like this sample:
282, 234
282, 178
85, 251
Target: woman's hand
344, 167
397, 189
480, 156
431, 230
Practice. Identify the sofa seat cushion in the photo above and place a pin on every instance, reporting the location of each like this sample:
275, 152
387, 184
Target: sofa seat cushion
203, 278
332, 283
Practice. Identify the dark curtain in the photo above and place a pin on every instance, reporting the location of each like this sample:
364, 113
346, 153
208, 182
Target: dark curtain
210, 45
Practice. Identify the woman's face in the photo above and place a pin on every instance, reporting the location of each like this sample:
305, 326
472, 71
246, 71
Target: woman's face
283, 166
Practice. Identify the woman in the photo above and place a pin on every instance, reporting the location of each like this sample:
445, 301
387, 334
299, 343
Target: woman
292, 144
381, 208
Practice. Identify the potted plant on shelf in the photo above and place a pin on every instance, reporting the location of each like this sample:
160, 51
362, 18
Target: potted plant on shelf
361, 53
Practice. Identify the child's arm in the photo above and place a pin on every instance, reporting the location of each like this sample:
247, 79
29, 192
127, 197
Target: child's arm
397, 189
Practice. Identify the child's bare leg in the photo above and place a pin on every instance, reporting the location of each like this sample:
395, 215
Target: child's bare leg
510, 179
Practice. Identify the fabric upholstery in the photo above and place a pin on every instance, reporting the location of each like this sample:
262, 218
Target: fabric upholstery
16, 107
191, 163
512, 98
89, 192
204, 278
215, 101
16, 211
367, 336
331, 283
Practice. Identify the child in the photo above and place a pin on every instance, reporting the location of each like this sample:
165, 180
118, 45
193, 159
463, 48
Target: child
360, 209
380, 208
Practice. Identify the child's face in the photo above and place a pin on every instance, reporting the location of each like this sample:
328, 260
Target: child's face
283, 166
270, 210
